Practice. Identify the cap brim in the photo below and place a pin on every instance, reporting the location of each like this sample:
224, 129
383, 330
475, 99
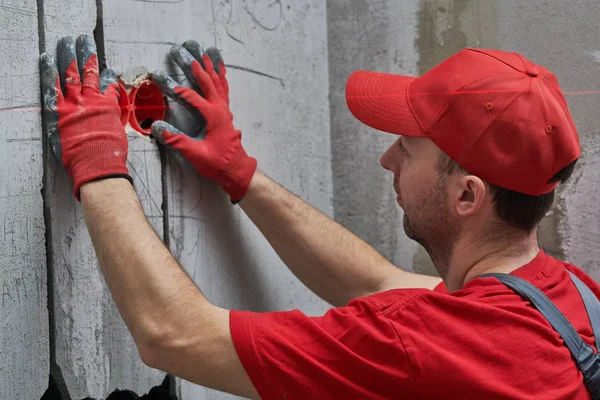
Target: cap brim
380, 101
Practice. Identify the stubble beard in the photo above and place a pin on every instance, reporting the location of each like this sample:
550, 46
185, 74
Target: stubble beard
429, 224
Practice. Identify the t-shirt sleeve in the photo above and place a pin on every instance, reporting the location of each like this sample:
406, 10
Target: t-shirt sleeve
351, 352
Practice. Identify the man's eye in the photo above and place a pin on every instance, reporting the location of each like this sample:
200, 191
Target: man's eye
402, 149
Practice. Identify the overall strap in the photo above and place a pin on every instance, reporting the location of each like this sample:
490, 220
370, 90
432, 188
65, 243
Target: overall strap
580, 350
587, 361
592, 306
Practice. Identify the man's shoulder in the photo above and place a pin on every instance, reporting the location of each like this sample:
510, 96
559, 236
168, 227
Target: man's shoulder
398, 304
472, 302
476, 299
394, 298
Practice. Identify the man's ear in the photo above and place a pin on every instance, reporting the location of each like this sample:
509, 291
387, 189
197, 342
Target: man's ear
469, 193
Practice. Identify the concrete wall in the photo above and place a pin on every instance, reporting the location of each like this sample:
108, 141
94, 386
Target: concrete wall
56, 315
24, 339
410, 37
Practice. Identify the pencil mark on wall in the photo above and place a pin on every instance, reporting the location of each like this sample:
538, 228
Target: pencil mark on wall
27, 107
262, 13
233, 37
214, 21
144, 185
228, 21
252, 71
19, 10
17, 289
188, 217
139, 41
21, 140
265, 14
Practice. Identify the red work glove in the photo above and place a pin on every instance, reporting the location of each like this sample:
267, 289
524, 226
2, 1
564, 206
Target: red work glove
81, 113
216, 152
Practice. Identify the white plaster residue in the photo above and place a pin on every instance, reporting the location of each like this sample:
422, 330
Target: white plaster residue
595, 55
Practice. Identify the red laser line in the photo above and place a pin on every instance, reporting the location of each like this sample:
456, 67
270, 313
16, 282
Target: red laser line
572, 93
462, 92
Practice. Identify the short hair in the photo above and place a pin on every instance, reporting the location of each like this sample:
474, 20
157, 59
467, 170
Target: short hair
518, 210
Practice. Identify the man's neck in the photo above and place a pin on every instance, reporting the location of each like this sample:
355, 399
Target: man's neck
474, 257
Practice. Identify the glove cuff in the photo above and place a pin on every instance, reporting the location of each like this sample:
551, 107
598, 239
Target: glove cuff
239, 176
99, 159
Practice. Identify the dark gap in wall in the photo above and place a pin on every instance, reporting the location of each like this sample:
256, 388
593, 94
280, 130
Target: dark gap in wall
164, 162
99, 35
162, 151
57, 390
165, 198
161, 392
41, 27
173, 387
164, 391
56, 385
167, 390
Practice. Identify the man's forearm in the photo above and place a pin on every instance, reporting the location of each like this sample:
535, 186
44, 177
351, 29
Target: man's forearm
134, 260
333, 262
175, 327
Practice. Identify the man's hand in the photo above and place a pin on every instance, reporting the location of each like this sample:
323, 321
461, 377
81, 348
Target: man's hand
81, 113
216, 152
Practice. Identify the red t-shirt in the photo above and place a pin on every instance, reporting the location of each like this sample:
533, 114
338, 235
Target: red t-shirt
481, 342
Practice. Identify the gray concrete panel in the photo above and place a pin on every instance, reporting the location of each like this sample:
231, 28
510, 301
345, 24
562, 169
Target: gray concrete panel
24, 351
277, 70
563, 37
87, 327
377, 36
130, 51
282, 58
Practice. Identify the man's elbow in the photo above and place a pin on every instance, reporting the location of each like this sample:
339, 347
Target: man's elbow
193, 357
168, 344
159, 339
156, 351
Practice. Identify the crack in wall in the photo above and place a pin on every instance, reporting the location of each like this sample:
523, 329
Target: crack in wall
56, 384
162, 151
57, 388
99, 36
164, 391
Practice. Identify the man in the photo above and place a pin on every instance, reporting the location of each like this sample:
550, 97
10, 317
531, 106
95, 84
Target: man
486, 137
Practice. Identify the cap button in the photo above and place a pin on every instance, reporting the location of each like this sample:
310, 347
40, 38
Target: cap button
532, 71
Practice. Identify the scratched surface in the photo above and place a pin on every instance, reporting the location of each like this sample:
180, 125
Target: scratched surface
128, 57
93, 347
24, 355
218, 246
277, 57
79, 292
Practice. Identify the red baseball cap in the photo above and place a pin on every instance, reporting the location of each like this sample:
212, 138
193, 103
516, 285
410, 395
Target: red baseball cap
495, 113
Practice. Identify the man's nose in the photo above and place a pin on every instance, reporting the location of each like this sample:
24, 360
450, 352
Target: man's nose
387, 158
383, 160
